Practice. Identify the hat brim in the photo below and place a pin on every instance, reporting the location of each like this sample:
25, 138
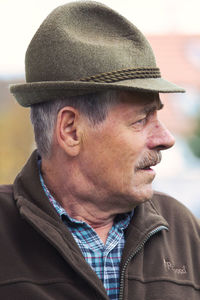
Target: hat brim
28, 94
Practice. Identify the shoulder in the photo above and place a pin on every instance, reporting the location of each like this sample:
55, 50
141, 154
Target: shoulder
175, 213
7, 203
165, 204
6, 194
6, 189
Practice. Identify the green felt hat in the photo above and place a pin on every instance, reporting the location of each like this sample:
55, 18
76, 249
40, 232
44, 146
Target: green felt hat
86, 47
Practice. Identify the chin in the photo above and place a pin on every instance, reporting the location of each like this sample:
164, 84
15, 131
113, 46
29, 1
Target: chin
128, 201
143, 194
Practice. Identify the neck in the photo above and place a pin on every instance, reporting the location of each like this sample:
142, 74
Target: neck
69, 193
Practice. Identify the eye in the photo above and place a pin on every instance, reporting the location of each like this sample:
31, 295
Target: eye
140, 123
146, 118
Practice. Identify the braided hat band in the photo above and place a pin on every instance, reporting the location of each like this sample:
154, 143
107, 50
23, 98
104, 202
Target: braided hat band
124, 75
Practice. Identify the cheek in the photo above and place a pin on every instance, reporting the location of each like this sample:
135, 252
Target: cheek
114, 155
122, 157
132, 149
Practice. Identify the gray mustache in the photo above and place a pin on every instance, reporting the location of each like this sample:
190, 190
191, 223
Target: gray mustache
150, 159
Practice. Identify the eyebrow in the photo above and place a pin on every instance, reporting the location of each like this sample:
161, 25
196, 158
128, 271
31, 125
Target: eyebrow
150, 108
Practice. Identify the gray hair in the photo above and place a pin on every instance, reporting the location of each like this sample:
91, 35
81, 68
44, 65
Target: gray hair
44, 115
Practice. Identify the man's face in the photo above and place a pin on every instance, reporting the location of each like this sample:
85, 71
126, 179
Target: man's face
118, 154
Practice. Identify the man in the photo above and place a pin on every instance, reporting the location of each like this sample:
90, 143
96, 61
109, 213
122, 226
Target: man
81, 220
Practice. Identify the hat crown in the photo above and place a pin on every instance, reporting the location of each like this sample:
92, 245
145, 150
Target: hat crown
84, 39
86, 47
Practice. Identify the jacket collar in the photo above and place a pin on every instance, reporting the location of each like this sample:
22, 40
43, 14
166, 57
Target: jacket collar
36, 209
27, 185
146, 220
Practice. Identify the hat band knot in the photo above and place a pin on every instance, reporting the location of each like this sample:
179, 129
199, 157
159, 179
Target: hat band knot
124, 75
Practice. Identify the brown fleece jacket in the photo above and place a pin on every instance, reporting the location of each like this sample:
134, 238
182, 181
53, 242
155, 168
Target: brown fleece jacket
39, 258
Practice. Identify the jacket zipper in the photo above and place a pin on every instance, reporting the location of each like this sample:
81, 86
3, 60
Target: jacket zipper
139, 247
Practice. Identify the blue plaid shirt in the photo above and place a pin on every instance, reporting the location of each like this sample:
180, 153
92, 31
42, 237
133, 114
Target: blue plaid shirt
103, 259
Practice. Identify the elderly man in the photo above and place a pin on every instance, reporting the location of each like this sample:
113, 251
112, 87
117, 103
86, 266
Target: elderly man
81, 220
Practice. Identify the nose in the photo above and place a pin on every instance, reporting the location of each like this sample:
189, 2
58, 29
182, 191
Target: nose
160, 137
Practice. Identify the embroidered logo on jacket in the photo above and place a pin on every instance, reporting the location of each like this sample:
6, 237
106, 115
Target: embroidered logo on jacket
171, 267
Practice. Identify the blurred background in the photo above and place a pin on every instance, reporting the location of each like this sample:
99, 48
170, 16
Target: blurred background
172, 28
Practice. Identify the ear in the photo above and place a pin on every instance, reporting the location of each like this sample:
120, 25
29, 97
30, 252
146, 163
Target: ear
67, 130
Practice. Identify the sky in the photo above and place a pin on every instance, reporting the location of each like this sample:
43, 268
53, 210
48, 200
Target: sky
20, 19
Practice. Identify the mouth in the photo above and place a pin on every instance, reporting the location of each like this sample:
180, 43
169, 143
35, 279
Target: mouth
148, 162
146, 173
147, 168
